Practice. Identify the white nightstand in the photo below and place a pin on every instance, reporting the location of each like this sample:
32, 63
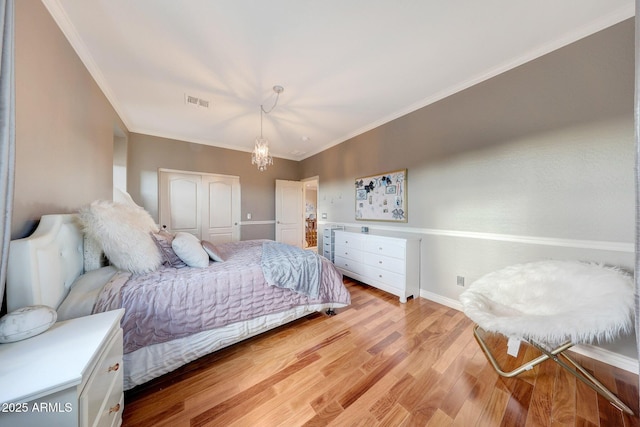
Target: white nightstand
70, 375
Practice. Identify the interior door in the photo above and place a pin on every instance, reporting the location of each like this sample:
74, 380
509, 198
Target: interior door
289, 212
205, 205
221, 208
180, 202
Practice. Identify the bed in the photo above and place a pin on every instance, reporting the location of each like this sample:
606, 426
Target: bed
57, 267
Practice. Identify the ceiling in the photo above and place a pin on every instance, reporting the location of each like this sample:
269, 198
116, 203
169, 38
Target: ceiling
346, 66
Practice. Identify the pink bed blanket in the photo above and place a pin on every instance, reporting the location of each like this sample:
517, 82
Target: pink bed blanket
172, 303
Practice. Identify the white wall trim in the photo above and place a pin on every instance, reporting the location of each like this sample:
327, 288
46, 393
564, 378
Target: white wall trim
530, 240
597, 353
267, 222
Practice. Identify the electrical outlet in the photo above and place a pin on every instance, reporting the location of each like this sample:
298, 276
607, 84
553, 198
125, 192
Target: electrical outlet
460, 281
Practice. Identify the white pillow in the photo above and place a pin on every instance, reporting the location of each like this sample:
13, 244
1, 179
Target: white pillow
188, 248
84, 292
26, 322
123, 231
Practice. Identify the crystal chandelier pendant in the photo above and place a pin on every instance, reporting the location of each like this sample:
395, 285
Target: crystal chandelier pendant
260, 155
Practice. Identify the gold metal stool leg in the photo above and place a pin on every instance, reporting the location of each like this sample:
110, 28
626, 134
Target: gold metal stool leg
577, 371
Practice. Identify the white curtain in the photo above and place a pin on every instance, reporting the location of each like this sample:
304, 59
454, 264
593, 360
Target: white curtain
637, 131
7, 131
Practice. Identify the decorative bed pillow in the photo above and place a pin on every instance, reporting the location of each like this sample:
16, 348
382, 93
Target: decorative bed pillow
163, 241
213, 252
123, 232
26, 322
84, 292
188, 248
94, 257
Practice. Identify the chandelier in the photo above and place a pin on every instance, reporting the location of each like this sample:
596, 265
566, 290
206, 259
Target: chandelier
260, 155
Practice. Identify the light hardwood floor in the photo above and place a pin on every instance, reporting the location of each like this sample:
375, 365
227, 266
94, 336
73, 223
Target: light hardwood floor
376, 363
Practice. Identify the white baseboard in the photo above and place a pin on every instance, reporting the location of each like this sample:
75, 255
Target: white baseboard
596, 353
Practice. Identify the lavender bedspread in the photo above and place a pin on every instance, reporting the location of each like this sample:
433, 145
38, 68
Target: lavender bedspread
172, 303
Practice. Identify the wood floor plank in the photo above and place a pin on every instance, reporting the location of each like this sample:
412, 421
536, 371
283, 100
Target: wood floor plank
376, 363
563, 408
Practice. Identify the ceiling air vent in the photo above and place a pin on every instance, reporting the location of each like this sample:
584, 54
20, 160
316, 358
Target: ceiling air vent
195, 101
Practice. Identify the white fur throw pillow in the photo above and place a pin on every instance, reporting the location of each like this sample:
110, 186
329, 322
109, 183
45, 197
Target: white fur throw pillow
123, 231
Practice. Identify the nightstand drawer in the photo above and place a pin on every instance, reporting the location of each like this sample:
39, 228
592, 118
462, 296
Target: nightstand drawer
101, 396
111, 415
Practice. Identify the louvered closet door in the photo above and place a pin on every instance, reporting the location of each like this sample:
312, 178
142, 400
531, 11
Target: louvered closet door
180, 202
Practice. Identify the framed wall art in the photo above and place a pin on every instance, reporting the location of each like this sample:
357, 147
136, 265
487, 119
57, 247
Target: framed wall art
382, 197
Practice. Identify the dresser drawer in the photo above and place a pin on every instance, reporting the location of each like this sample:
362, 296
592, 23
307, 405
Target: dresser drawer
348, 252
349, 264
100, 400
349, 240
389, 278
390, 247
394, 265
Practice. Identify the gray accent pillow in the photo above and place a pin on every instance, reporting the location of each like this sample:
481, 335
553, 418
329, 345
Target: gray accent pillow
163, 240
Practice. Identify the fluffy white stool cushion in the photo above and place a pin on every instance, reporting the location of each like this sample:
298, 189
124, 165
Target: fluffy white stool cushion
553, 301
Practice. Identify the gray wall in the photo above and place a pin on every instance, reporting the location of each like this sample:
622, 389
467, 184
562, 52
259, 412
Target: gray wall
149, 153
64, 124
535, 163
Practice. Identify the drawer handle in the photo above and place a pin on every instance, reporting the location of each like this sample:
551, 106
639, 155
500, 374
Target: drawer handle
380, 276
114, 367
113, 409
379, 262
379, 249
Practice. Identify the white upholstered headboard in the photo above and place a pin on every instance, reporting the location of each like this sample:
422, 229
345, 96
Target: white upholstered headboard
42, 266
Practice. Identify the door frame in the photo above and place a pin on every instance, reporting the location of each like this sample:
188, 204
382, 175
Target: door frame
315, 179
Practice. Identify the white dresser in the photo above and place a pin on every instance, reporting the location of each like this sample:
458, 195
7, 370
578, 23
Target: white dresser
388, 261
70, 375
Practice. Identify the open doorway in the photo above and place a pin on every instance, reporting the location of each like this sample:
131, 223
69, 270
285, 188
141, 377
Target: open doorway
310, 187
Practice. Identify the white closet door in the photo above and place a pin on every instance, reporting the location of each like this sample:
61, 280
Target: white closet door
220, 208
205, 205
180, 202
289, 212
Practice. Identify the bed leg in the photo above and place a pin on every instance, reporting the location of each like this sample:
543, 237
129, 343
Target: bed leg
330, 312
